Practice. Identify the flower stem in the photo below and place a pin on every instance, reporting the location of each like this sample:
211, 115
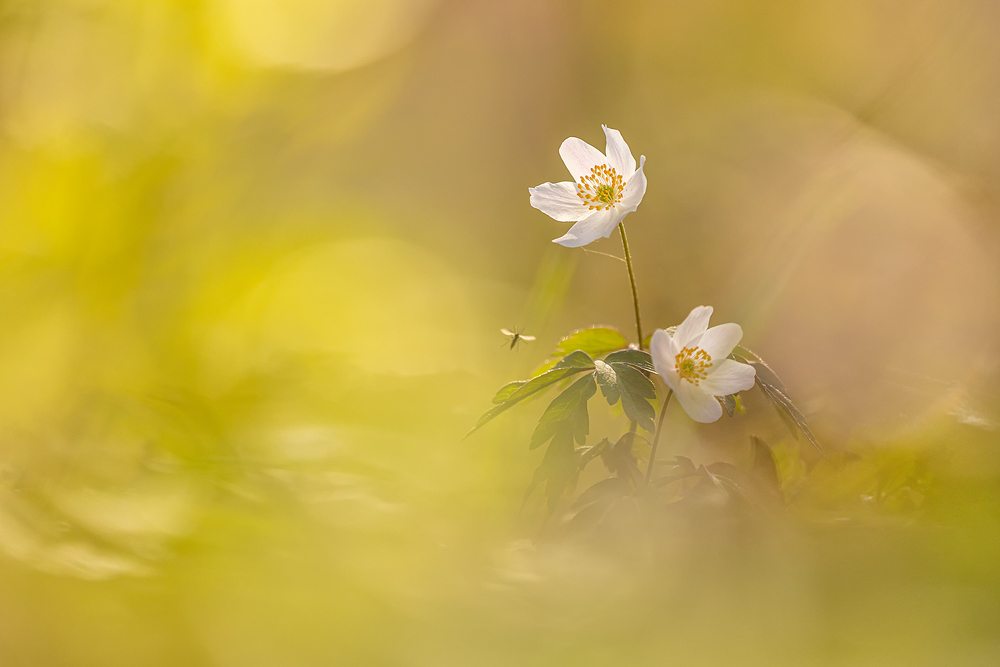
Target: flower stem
656, 436
631, 277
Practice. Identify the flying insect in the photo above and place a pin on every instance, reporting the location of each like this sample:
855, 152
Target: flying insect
516, 337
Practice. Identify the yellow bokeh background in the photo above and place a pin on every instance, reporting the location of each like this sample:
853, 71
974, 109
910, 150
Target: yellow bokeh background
254, 260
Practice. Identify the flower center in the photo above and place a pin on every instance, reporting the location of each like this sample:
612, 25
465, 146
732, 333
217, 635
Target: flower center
601, 188
692, 364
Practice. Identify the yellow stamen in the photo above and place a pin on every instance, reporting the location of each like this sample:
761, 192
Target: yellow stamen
692, 364
601, 188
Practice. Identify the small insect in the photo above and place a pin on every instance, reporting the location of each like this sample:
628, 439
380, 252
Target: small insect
516, 337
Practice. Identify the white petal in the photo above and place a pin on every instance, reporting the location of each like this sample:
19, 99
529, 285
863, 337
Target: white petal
719, 341
619, 156
729, 377
596, 225
700, 405
580, 157
692, 328
661, 348
559, 201
635, 188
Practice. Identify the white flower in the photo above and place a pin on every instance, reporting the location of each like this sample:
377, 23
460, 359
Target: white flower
606, 189
693, 362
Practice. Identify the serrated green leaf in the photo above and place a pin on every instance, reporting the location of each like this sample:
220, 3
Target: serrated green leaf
508, 390
637, 358
593, 341
636, 392
608, 380
578, 359
577, 362
566, 413
774, 389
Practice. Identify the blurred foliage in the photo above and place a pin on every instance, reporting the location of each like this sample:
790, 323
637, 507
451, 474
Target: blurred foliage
254, 256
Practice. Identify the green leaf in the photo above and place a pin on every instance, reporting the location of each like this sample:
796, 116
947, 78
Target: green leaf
608, 379
636, 392
508, 390
612, 486
585, 455
566, 413
637, 358
764, 468
729, 403
622, 459
577, 362
559, 468
748, 487
593, 341
774, 389
735, 482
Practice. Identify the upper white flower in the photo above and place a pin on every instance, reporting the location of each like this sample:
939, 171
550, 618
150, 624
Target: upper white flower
605, 189
693, 362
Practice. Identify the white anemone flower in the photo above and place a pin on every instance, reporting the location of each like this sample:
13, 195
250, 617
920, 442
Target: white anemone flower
693, 362
605, 188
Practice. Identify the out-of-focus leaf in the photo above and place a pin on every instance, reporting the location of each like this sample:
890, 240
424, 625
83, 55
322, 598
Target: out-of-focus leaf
567, 413
585, 455
729, 403
612, 486
764, 468
736, 482
637, 358
751, 487
649, 339
508, 390
557, 472
592, 514
608, 379
622, 459
595, 341
683, 468
560, 467
684, 463
636, 392
577, 362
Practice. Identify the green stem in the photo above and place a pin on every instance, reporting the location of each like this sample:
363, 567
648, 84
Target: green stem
656, 436
631, 277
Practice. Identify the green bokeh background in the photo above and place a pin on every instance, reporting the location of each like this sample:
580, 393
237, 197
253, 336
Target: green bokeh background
254, 260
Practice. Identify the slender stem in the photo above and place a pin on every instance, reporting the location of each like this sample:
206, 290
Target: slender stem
656, 436
631, 277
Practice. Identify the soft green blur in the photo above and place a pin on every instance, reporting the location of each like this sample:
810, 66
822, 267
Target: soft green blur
254, 260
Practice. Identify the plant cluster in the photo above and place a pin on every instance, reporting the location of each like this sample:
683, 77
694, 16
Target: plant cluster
705, 367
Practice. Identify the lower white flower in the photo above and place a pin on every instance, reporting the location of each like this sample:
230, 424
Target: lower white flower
693, 362
606, 188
